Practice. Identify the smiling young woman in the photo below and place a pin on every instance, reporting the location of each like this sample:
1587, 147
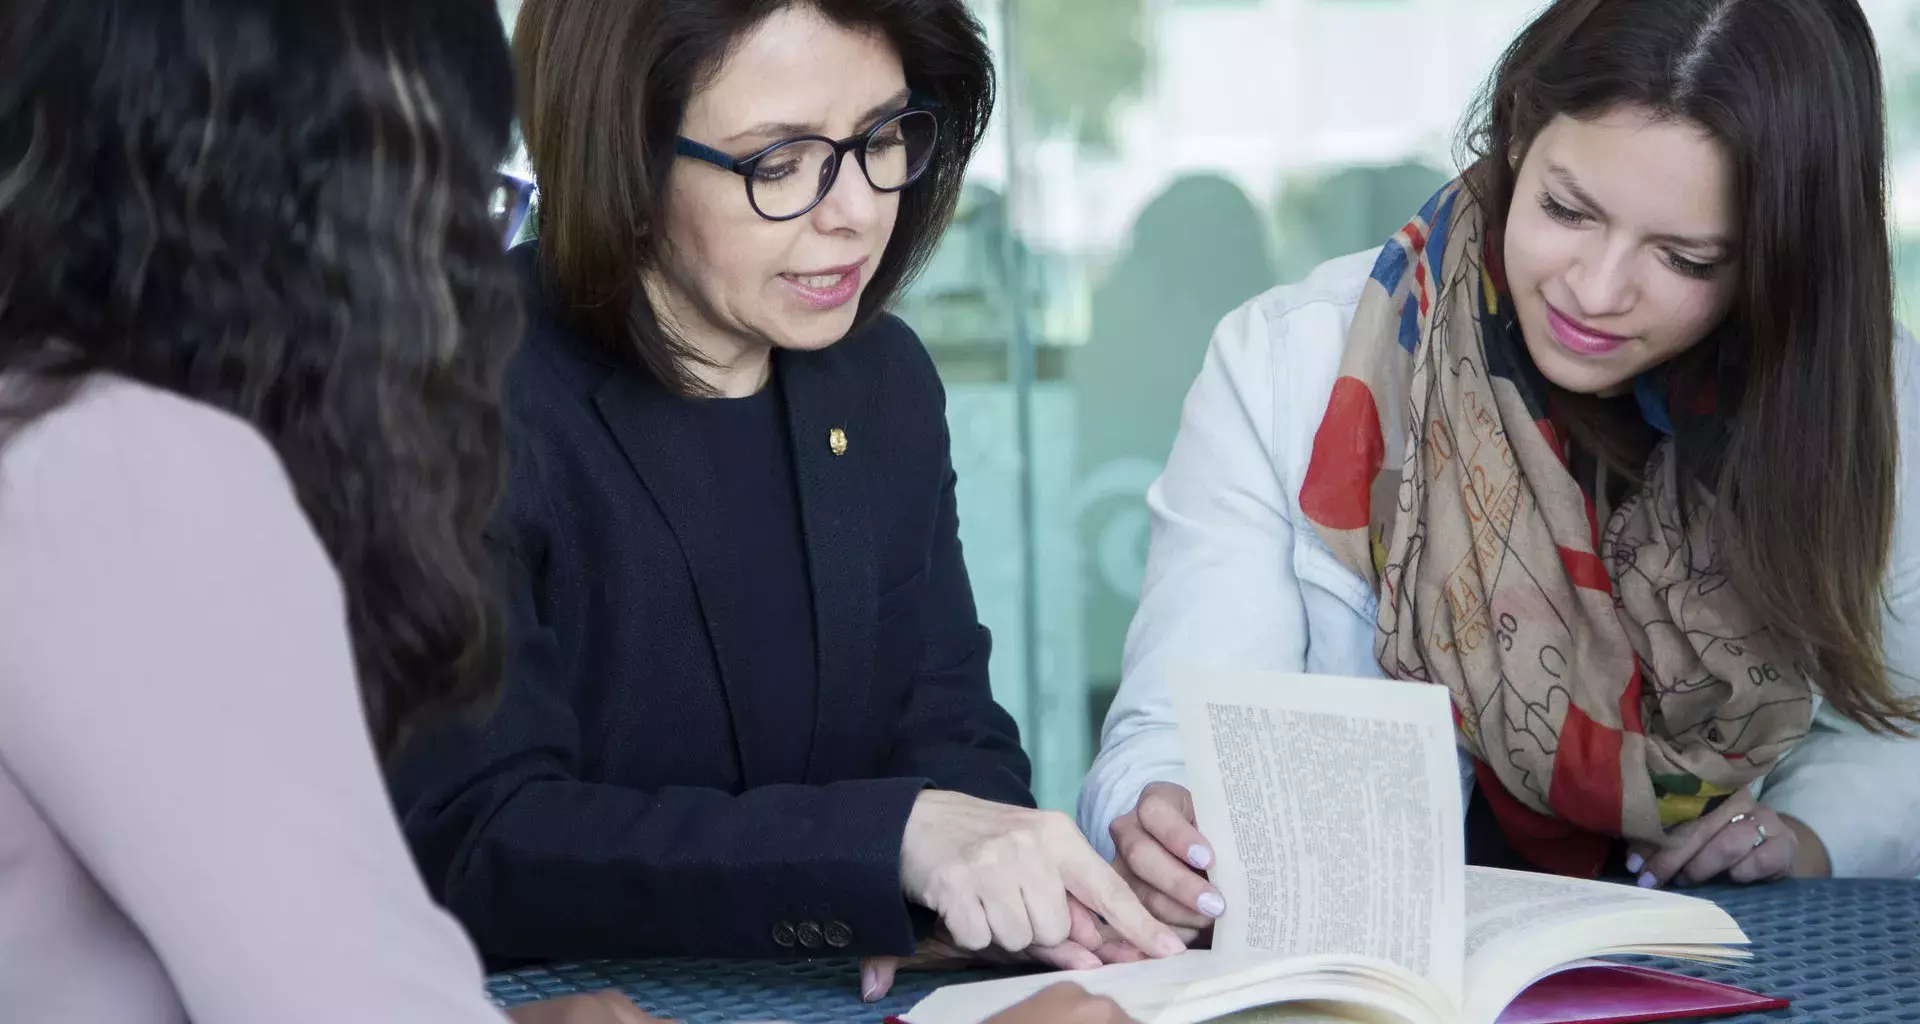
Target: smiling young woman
1645, 349
747, 709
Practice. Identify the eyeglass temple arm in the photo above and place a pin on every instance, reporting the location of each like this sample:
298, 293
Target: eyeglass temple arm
688, 147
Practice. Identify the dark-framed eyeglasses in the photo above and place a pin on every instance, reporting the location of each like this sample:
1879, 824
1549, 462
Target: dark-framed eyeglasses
790, 177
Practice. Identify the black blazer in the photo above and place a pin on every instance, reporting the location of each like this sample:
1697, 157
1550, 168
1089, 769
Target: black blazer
616, 804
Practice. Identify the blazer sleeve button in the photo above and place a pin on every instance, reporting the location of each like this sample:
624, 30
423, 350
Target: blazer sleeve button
809, 934
783, 935
839, 936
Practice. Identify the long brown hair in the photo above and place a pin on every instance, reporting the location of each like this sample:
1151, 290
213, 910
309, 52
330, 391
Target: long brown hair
1792, 90
604, 87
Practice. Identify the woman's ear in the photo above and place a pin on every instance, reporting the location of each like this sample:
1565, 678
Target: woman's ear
1516, 147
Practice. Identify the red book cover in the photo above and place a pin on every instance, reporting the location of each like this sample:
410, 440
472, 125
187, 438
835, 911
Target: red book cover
1621, 994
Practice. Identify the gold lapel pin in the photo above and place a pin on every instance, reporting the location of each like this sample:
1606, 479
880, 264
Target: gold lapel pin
837, 441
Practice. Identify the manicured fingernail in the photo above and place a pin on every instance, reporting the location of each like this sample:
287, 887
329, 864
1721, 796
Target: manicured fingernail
1647, 881
1170, 945
1199, 856
1211, 904
869, 984
1635, 862
1086, 962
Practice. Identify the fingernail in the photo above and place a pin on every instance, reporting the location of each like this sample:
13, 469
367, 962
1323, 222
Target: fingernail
1086, 962
1647, 881
1199, 856
1170, 945
1211, 904
1635, 862
869, 984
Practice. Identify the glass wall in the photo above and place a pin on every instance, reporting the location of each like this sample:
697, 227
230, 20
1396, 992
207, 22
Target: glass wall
1154, 163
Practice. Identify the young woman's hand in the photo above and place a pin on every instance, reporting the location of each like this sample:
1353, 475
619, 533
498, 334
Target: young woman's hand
1742, 840
1161, 854
605, 1007
1021, 880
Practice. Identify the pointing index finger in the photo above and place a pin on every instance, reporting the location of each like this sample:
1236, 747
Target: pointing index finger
1094, 883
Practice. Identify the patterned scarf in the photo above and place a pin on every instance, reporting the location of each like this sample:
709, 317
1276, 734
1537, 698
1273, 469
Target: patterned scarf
1606, 678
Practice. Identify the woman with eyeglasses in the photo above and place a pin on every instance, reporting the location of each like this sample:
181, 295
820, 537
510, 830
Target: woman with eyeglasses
1617, 440
747, 709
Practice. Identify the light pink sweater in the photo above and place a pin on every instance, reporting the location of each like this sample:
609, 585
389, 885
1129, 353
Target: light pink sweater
192, 820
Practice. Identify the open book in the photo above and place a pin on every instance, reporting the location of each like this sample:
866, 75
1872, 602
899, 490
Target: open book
1334, 809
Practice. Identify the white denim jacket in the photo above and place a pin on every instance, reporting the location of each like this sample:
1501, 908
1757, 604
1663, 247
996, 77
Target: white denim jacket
1237, 578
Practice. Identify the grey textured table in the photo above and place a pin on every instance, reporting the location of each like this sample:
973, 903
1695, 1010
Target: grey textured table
1841, 950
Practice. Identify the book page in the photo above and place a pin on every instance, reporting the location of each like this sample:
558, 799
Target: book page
1518, 907
1210, 985
1521, 926
1501, 902
1144, 989
1333, 806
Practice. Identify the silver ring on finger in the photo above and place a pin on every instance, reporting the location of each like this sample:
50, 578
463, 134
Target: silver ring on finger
1738, 818
1760, 835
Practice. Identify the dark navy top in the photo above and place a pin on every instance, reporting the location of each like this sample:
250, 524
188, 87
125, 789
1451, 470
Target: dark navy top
751, 450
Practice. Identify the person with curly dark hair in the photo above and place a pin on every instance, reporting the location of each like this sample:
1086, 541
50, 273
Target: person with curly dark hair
252, 316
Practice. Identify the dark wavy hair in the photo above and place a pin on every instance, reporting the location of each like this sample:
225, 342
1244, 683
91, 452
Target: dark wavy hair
279, 208
604, 87
1792, 90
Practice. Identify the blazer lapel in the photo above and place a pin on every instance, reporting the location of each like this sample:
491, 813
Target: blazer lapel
823, 401
656, 430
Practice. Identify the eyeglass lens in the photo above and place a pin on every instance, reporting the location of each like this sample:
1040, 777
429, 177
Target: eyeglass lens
792, 177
